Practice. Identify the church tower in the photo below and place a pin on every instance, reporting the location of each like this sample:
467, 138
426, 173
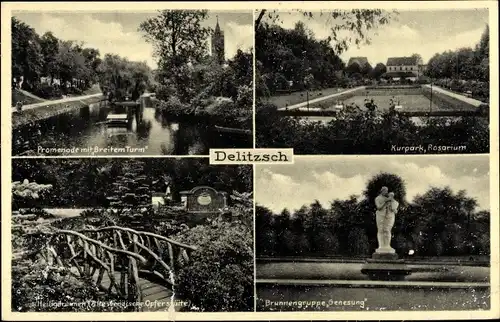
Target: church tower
218, 43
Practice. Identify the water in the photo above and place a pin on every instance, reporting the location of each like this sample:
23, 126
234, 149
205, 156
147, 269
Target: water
83, 132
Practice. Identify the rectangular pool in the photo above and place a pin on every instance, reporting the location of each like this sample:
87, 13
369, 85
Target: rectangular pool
409, 102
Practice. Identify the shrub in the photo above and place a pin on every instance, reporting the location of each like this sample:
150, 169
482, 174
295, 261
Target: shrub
35, 284
174, 106
245, 97
219, 276
423, 80
26, 194
355, 132
47, 91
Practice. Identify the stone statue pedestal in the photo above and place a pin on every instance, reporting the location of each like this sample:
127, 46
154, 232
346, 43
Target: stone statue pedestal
385, 266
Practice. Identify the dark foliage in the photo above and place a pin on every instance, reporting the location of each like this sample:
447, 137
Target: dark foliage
220, 274
366, 132
438, 223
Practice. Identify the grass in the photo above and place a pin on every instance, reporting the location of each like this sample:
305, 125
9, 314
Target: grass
299, 97
33, 99
43, 112
18, 96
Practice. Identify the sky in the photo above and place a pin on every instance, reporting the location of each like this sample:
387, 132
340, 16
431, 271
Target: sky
329, 178
116, 32
424, 31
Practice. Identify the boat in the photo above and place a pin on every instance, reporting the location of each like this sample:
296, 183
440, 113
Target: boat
117, 119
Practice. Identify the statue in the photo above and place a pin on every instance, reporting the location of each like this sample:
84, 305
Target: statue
387, 208
384, 264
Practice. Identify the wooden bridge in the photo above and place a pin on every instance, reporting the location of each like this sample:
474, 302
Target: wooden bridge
137, 266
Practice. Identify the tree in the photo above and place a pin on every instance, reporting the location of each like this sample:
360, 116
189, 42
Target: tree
358, 242
393, 182
357, 21
418, 58
50, 49
443, 216
71, 62
464, 63
265, 237
92, 61
353, 69
482, 51
378, 71
177, 36
27, 56
122, 77
367, 69
179, 41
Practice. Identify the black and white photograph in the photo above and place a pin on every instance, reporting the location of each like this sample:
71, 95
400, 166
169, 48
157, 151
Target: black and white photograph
131, 235
386, 233
241, 160
169, 82
372, 81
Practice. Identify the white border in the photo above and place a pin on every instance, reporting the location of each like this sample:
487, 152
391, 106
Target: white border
310, 5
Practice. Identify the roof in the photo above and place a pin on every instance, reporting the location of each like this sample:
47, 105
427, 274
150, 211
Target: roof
401, 61
217, 30
360, 60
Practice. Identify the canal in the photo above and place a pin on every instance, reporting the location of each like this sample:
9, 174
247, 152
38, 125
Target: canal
84, 132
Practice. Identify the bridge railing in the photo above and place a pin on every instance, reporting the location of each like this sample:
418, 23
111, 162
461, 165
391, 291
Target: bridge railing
88, 257
163, 255
119, 253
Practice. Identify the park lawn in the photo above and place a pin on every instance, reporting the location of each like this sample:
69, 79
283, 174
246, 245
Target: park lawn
299, 97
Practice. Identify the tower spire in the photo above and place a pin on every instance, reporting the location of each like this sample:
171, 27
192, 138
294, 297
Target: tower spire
217, 27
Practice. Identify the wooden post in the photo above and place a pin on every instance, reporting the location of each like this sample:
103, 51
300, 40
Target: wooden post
307, 95
430, 103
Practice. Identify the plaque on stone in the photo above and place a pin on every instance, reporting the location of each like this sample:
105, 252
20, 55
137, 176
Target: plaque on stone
204, 199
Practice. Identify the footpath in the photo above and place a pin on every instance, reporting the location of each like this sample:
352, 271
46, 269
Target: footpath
460, 97
319, 99
56, 102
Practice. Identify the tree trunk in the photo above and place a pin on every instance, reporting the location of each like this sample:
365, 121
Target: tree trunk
259, 18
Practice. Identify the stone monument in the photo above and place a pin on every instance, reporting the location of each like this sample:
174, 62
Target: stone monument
204, 199
384, 263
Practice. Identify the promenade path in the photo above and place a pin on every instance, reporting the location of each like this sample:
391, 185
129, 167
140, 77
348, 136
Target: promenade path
463, 98
319, 99
59, 101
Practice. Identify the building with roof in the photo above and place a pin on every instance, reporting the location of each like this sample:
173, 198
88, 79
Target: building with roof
404, 67
361, 61
218, 43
